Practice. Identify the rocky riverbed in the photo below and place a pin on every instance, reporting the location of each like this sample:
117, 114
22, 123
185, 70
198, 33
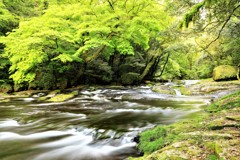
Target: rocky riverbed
215, 134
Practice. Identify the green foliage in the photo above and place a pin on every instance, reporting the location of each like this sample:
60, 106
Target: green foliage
7, 20
25, 8
71, 32
98, 72
172, 70
57, 38
205, 71
38, 42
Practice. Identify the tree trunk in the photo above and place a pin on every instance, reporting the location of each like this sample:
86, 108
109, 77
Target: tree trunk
148, 67
238, 71
164, 65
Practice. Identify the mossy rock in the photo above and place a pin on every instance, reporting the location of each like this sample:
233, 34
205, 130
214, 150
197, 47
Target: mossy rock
224, 72
208, 137
177, 151
163, 90
131, 67
62, 97
184, 90
56, 96
130, 78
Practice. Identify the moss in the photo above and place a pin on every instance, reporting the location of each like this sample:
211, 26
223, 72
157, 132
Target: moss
54, 92
61, 97
152, 140
184, 90
227, 102
218, 149
172, 141
130, 78
43, 98
163, 89
212, 157
157, 138
233, 118
224, 72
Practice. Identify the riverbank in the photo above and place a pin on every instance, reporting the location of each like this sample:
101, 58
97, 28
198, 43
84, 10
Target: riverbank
212, 135
198, 87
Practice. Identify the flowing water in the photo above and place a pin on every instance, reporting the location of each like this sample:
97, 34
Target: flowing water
99, 124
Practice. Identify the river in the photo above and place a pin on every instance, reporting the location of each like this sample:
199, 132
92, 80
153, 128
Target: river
97, 124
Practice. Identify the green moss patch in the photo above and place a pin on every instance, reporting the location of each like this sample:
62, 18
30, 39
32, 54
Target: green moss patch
62, 97
224, 72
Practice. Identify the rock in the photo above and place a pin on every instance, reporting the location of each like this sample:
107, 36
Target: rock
233, 118
221, 123
129, 78
180, 150
62, 97
131, 67
227, 149
162, 89
206, 135
224, 72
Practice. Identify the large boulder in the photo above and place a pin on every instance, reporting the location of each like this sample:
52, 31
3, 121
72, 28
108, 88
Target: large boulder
224, 72
130, 78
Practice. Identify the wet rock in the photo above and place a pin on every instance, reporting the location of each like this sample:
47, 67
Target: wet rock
62, 97
224, 72
136, 139
163, 89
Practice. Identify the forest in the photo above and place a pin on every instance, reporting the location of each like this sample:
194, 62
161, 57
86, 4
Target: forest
50, 44
119, 79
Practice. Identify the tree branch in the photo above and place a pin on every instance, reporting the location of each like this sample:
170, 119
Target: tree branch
97, 53
223, 26
110, 4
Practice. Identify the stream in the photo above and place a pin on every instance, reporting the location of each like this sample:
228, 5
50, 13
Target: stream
97, 124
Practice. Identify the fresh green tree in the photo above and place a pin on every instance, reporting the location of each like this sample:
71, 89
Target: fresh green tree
79, 33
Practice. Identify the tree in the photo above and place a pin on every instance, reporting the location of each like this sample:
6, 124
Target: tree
219, 13
69, 37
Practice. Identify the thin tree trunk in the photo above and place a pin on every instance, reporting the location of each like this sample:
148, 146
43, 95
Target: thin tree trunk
238, 71
99, 50
164, 65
